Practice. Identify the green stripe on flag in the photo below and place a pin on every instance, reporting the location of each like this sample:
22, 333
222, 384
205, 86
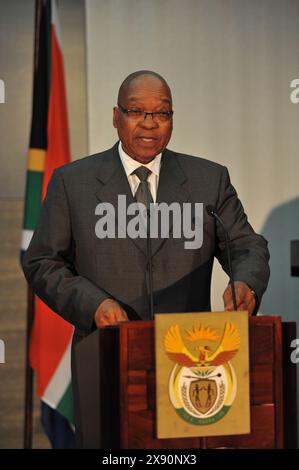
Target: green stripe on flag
65, 406
34, 185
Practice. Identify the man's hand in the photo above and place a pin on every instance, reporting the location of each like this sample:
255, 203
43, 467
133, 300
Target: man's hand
109, 312
245, 297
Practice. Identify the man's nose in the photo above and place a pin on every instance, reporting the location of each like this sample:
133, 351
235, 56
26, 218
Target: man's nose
149, 122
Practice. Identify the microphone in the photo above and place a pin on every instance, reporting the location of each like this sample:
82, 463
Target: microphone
211, 211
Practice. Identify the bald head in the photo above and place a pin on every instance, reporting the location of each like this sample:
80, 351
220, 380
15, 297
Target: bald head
136, 77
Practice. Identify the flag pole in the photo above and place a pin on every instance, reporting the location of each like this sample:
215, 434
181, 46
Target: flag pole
28, 405
28, 375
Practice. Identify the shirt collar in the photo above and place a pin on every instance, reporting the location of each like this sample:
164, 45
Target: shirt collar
130, 165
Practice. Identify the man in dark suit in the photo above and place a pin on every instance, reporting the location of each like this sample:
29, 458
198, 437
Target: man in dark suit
95, 282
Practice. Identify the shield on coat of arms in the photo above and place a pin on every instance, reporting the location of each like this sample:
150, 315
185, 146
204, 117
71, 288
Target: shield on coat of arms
203, 394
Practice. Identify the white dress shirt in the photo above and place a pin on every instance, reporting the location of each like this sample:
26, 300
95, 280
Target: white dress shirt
130, 165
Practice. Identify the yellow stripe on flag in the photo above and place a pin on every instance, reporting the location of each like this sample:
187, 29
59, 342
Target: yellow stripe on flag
36, 159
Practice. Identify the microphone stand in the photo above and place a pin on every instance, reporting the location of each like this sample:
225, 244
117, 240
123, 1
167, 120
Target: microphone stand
149, 256
214, 214
150, 267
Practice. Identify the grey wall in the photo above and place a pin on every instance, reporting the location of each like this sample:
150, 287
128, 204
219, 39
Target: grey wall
16, 55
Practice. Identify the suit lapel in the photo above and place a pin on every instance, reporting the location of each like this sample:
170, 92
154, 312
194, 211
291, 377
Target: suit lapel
171, 189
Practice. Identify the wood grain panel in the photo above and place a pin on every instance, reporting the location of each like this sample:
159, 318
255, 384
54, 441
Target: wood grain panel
261, 338
261, 384
141, 354
142, 434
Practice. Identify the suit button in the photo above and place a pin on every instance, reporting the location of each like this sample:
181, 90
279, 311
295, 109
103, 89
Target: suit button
147, 267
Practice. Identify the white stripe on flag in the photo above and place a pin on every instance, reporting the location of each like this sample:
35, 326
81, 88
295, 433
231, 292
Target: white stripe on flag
55, 21
60, 380
26, 239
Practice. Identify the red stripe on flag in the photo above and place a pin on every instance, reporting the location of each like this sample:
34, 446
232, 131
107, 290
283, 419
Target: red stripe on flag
51, 334
50, 338
58, 152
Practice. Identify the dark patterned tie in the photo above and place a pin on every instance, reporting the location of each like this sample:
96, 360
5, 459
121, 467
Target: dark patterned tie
143, 193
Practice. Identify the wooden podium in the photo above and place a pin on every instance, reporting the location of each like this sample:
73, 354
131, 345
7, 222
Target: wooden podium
116, 382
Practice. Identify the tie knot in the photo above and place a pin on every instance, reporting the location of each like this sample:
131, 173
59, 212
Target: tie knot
143, 173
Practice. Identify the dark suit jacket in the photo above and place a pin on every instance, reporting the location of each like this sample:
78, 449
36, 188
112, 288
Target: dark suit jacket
73, 271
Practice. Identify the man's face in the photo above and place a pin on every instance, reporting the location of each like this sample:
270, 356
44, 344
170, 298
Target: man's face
143, 139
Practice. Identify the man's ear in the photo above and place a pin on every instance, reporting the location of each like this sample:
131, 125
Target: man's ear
115, 116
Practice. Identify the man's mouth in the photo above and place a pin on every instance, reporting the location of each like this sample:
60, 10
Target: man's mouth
147, 139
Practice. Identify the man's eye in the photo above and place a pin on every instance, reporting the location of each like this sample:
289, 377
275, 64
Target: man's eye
163, 115
135, 112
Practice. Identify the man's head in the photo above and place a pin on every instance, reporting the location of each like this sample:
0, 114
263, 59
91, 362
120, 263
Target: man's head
143, 138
